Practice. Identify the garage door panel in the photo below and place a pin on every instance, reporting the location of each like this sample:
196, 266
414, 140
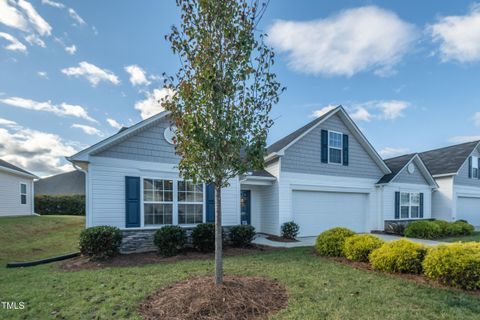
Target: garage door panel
468, 208
317, 211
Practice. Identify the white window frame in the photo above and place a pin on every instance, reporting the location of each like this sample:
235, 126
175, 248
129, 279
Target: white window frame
190, 202
410, 205
474, 166
337, 148
144, 202
23, 194
175, 203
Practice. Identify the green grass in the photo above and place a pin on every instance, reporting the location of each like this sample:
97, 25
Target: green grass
318, 289
32, 237
474, 237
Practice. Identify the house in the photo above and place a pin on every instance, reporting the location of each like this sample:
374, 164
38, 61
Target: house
67, 183
16, 190
323, 175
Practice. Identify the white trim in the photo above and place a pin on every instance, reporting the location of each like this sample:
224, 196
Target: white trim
444, 175
20, 173
328, 147
23, 194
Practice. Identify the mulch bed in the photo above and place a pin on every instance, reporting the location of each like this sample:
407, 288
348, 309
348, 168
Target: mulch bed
240, 297
138, 259
280, 239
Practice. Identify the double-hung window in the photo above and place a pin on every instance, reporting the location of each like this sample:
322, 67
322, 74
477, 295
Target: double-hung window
409, 205
158, 201
23, 193
475, 167
335, 145
190, 202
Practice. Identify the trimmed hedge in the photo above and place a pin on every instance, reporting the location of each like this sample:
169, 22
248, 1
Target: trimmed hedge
463, 228
100, 242
402, 256
423, 229
170, 240
456, 264
290, 230
242, 235
203, 237
60, 205
331, 242
358, 247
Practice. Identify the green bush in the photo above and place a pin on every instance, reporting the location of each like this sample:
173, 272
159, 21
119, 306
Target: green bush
423, 229
290, 230
358, 247
456, 264
463, 228
203, 237
445, 227
331, 242
100, 242
170, 240
60, 205
398, 256
242, 235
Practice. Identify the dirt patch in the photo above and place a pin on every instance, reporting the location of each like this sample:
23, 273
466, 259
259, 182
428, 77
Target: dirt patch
138, 259
280, 239
239, 297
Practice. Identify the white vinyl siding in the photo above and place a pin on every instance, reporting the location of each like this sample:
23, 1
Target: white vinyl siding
11, 195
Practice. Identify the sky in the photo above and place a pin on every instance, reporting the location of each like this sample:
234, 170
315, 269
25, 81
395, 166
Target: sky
74, 72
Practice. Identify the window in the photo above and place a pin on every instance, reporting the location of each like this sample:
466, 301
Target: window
335, 147
409, 205
23, 193
158, 201
190, 202
474, 167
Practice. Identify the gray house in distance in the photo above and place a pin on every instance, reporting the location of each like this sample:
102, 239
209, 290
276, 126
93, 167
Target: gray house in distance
68, 183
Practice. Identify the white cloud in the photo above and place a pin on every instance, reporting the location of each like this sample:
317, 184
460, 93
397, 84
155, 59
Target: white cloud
87, 129
74, 15
392, 109
476, 119
64, 109
34, 39
36, 21
462, 139
39, 152
92, 73
7, 123
113, 123
53, 4
361, 114
43, 74
321, 112
137, 75
389, 152
459, 36
71, 50
12, 17
151, 104
14, 43
355, 40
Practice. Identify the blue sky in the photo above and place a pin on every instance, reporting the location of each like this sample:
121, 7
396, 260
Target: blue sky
73, 72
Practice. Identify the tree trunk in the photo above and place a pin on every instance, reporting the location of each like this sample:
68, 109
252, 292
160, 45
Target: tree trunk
218, 236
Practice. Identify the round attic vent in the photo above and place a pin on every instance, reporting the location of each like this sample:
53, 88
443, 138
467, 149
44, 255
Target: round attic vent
411, 168
169, 134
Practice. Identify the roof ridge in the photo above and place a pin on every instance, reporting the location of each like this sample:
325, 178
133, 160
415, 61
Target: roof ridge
403, 155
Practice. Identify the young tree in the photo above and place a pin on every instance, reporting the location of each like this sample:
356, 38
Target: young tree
223, 93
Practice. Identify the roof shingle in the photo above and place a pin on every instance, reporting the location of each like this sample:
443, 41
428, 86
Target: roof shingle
10, 166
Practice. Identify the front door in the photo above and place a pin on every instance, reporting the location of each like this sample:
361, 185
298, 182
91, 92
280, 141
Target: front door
245, 207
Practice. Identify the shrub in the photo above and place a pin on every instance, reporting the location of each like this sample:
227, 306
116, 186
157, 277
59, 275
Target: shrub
359, 246
170, 240
60, 205
445, 227
290, 230
422, 229
463, 228
242, 236
398, 256
456, 264
331, 242
100, 242
397, 228
203, 237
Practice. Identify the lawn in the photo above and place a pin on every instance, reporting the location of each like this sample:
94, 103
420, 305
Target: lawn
474, 237
318, 288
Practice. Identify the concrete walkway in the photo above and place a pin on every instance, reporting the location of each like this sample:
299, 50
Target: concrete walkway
310, 241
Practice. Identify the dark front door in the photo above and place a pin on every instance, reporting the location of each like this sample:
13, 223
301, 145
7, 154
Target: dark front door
245, 207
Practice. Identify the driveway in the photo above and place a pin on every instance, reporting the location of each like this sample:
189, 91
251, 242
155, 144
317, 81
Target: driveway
310, 241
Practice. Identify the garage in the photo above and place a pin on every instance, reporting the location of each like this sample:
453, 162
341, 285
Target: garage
317, 211
468, 208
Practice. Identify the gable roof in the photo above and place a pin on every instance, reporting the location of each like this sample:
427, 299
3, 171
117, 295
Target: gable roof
68, 183
397, 164
6, 166
448, 160
278, 148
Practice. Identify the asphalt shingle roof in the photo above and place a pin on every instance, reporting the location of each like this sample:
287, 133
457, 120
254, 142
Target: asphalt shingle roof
261, 173
395, 165
10, 166
68, 183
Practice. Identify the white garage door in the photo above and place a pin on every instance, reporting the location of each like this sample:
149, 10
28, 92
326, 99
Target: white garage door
469, 209
316, 211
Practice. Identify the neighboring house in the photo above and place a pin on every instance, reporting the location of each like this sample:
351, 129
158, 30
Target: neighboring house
68, 183
16, 190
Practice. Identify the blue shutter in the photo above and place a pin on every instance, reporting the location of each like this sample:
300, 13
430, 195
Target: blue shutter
210, 203
421, 205
397, 205
324, 149
132, 202
469, 167
478, 166
345, 149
